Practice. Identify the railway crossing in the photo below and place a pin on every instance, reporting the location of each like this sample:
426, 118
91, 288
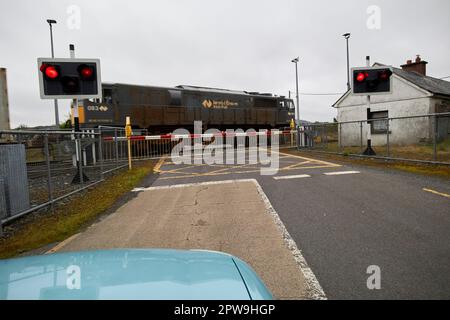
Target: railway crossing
288, 164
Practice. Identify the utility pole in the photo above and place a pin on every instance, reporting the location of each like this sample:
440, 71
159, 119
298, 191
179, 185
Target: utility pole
50, 22
369, 151
80, 177
347, 36
76, 121
297, 109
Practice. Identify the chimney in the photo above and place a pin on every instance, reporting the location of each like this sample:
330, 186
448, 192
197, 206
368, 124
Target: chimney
4, 106
418, 66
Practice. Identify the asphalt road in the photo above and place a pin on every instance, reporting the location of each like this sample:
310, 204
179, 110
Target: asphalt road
345, 223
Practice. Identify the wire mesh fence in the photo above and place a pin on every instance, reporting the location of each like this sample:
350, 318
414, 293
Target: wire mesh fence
422, 138
38, 168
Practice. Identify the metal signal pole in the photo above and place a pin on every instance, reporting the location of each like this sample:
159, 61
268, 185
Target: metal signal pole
50, 22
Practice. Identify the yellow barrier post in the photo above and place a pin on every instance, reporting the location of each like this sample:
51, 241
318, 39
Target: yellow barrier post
128, 134
292, 125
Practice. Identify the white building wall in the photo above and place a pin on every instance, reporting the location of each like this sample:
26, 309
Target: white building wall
406, 100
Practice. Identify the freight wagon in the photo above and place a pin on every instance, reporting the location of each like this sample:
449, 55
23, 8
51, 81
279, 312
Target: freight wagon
163, 109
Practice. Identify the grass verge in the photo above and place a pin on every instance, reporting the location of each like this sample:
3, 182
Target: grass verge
69, 218
442, 171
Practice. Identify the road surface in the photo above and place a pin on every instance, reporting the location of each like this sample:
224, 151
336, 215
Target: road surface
345, 219
345, 222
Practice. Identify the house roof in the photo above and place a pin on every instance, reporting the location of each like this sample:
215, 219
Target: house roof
433, 85
430, 84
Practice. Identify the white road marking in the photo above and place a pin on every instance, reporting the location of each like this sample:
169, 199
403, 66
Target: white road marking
337, 173
297, 176
184, 185
315, 290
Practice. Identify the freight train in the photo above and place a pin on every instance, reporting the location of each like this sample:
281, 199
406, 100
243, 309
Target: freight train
163, 109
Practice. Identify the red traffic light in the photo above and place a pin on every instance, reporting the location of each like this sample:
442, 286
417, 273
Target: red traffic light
372, 80
86, 72
362, 76
51, 72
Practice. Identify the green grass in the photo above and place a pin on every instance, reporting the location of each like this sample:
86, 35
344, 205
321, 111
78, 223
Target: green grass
413, 152
442, 171
69, 218
35, 154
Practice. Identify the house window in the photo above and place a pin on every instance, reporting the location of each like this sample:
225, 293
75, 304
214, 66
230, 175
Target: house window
378, 126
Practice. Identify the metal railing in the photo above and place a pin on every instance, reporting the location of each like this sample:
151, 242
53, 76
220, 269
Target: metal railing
56, 164
40, 168
418, 138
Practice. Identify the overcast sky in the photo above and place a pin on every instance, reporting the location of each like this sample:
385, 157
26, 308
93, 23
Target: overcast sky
243, 45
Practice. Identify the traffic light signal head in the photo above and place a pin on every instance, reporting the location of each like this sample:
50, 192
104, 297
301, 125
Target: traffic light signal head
69, 78
372, 80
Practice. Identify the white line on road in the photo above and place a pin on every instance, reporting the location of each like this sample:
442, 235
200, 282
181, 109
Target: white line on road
315, 290
297, 176
337, 173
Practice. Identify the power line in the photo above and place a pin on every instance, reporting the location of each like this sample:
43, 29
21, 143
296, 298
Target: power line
321, 94
318, 93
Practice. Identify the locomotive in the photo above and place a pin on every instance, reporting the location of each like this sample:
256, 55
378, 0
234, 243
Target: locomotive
163, 109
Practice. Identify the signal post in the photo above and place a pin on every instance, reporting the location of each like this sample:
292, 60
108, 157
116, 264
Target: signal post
371, 81
62, 78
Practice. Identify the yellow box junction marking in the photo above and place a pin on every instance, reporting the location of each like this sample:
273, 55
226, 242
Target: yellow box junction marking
437, 192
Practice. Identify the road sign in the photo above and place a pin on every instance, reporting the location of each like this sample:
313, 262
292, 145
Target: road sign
69, 78
372, 80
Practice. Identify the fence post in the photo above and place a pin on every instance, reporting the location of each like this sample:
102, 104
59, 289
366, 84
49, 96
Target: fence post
94, 154
116, 144
100, 153
361, 136
339, 137
387, 139
49, 174
80, 166
84, 149
435, 138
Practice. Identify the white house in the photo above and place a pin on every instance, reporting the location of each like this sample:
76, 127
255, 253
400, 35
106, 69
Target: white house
413, 93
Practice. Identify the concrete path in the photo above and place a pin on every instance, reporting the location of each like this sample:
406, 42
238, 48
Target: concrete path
233, 217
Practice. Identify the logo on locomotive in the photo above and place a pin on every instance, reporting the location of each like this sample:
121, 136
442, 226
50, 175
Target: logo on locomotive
218, 104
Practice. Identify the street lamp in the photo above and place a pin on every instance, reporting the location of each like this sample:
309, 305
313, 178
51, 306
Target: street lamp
347, 36
297, 109
50, 22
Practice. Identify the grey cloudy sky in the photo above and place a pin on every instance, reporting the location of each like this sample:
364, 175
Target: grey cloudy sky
245, 45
